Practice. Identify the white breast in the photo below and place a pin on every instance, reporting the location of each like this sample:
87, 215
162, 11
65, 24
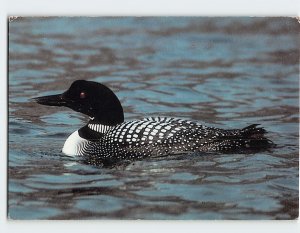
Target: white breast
74, 145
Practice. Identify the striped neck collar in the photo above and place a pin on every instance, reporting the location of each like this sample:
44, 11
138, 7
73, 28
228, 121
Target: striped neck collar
99, 128
93, 131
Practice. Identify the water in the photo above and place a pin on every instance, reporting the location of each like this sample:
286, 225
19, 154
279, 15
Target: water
224, 72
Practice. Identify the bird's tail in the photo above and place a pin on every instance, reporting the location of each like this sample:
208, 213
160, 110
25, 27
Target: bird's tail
255, 137
250, 138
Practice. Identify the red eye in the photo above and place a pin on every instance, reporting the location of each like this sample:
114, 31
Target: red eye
82, 95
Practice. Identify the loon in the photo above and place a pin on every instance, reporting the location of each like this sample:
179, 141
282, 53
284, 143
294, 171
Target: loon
107, 137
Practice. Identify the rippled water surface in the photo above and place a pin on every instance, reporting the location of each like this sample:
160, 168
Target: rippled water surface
224, 72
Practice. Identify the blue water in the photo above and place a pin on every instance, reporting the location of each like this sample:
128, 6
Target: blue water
224, 72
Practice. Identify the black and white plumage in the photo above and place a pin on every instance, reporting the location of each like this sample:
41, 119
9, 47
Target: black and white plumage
107, 137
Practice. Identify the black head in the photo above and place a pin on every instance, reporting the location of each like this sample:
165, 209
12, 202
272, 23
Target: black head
90, 98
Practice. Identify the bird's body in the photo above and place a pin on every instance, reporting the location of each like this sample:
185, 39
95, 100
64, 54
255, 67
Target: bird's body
107, 137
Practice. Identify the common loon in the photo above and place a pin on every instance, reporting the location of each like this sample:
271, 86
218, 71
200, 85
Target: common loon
107, 138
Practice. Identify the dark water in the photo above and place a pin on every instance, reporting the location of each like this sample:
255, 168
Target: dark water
224, 72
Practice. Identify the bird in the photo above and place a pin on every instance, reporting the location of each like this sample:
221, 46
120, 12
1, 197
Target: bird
107, 138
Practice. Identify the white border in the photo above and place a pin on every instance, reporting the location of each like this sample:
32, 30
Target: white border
155, 7
136, 8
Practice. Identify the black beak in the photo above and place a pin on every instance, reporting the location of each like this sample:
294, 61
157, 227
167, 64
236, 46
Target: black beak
51, 100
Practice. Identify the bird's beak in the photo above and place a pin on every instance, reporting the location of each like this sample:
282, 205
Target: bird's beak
51, 100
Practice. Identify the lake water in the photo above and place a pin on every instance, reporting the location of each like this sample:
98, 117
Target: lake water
224, 72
